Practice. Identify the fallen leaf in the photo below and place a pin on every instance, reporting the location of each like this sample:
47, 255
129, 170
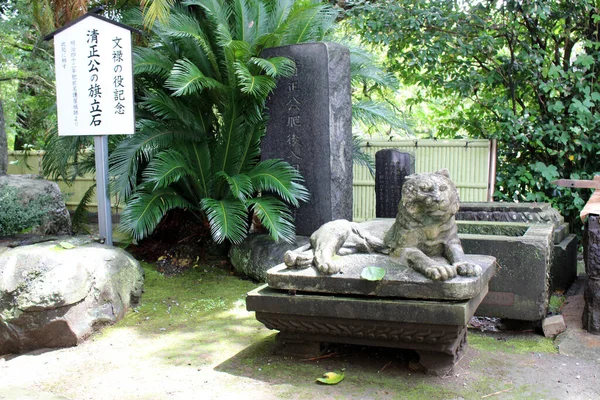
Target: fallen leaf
331, 378
66, 245
372, 273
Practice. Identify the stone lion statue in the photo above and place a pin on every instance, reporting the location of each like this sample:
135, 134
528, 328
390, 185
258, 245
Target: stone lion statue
424, 228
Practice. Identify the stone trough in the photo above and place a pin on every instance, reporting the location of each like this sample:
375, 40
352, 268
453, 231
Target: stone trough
534, 251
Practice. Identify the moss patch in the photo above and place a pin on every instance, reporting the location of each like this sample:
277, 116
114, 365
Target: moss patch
197, 321
178, 300
511, 343
556, 303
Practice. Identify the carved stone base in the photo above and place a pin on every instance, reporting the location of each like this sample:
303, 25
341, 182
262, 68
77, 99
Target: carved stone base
436, 330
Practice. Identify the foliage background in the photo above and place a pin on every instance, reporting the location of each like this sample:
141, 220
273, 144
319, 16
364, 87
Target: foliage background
522, 72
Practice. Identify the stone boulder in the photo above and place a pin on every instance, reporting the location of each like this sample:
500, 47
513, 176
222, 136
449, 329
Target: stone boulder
258, 253
37, 200
56, 294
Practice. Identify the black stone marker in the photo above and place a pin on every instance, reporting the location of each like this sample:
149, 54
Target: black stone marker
591, 256
310, 127
391, 169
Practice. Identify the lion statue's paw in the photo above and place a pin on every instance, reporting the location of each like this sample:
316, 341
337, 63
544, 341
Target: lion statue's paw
329, 267
440, 272
466, 268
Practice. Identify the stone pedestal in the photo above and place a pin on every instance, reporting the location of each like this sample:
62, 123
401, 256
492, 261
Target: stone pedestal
435, 329
591, 256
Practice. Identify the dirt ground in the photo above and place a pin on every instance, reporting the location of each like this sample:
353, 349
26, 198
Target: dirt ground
221, 352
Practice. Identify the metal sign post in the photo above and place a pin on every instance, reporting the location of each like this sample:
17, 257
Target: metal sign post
94, 92
104, 211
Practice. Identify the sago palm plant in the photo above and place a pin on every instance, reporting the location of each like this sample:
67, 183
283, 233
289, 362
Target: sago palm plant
197, 145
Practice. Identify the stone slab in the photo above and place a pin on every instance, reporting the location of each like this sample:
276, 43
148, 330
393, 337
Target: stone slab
399, 281
564, 263
540, 213
310, 126
355, 308
391, 169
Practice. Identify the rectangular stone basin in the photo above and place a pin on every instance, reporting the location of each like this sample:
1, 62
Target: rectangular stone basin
524, 253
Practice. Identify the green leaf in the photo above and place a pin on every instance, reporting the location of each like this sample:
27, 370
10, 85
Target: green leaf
66, 245
144, 210
276, 66
258, 86
228, 219
275, 216
372, 273
166, 168
277, 176
186, 78
331, 378
240, 185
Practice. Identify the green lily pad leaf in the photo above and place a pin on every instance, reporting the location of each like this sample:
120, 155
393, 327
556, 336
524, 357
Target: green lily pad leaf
66, 245
331, 378
372, 273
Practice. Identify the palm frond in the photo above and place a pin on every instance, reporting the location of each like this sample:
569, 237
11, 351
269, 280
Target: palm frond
151, 61
182, 24
373, 113
243, 22
227, 219
309, 23
135, 151
199, 160
79, 216
166, 107
217, 12
278, 12
277, 176
66, 157
365, 69
187, 79
250, 152
240, 185
259, 22
144, 211
275, 67
275, 216
227, 156
258, 86
360, 157
156, 10
165, 168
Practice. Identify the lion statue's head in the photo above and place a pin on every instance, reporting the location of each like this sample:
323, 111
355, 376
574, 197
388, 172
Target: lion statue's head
429, 197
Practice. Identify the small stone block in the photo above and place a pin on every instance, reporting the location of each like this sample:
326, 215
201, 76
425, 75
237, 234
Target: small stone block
554, 325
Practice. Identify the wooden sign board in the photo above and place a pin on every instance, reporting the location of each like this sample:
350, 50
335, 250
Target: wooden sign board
94, 78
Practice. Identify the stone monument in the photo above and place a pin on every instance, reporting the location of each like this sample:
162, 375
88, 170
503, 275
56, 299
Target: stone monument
423, 301
391, 169
310, 126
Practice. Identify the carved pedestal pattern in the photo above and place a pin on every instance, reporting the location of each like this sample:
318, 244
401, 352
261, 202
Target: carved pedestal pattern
436, 330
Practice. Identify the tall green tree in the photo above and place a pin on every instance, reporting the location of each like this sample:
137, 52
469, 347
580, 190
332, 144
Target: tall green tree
522, 71
26, 76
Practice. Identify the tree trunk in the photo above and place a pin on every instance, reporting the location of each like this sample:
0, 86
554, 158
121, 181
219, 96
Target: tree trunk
3, 143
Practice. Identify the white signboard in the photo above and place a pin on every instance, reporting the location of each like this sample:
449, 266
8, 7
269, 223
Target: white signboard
94, 79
